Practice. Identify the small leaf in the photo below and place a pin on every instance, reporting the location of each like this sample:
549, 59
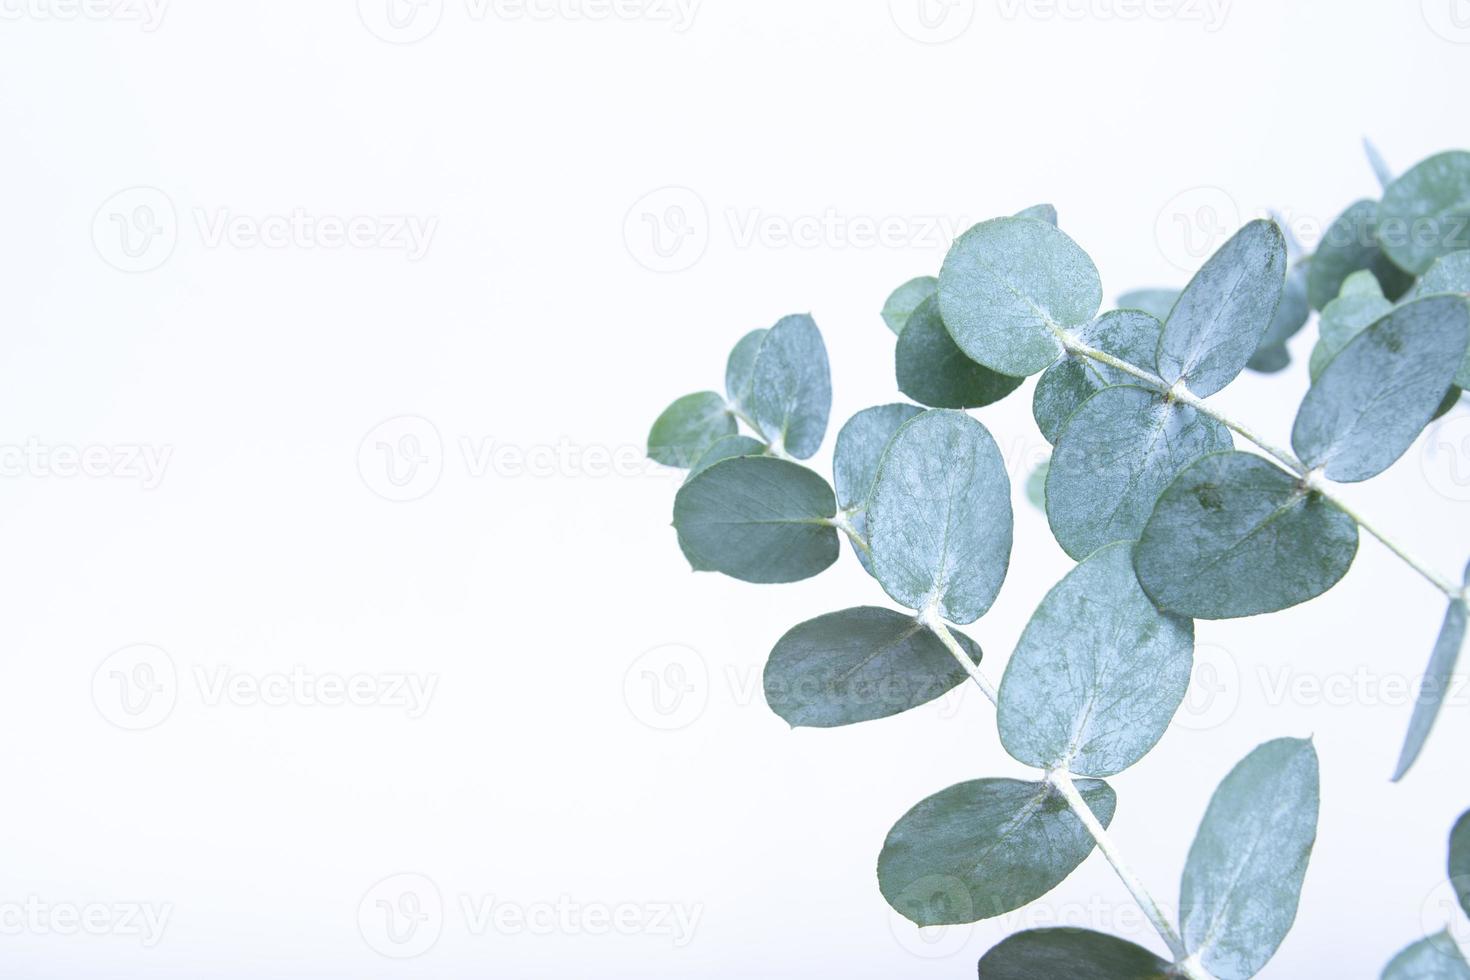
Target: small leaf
1271, 354
939, 517
859, 450
688, 427
1243, 878
1233, 535
933, 371
1225, 310
1435, 958
791, 387
1116, 455
1426, 212
1041, 212
985, 848
1380, 166
1073, 954
858, 665
1008, 288
1130, 335
1098, 674
1460, 861
757, 519
1157, 303
1376, 396
1360, 305
1436, 686
905, 299
1450, 274
728, 447
1036, 485
740, 368
1351, 245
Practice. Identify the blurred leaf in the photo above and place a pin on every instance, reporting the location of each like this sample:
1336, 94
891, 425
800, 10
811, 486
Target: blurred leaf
933, 371
1157, 303
1036, 485
1380, 166
688, 427
1071, 954
1426, 212
905, 299
1041, 212
1432, 692
1271, 354
1459, 864
1360, 305
1351, 245
1435, 958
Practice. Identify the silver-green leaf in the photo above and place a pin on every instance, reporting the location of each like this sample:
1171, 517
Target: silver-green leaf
1360, 304
1271, 354
1157, 303
688, 427
1222, 314
1449, 274
1435, 958
939, 517
1234, 535
727, 447
1071, 954
1098, 673
1426, 212
858, 665
1041, 212
791, 387
1459, 863
1009, 286
985, 848
859, 450
740, 368
933, 371
1243, 878
1436, 685
758, 519
1116, 455
1351, 245
905, 299
1131, 335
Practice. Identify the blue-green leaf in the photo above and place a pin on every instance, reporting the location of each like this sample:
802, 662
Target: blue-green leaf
1098, 674
1426, 212
1271, 354
1436, 686
1375, 397
1359, 306
855, 461
1071, 954
758, 519
1449, 274
791, 387
858, 665
1233, 535
740, 368
1459, 864
1116, 455
1130, 335
1243, 878
726, 448
1435, 958
688, 427
933, 371
939, 517
985, 848
1222, 314
1157, 303
1351, 245
1007, 289
1041, 212
1381, 169
1036, 485
905, 299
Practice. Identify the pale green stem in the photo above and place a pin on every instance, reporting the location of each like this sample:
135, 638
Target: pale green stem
931, 618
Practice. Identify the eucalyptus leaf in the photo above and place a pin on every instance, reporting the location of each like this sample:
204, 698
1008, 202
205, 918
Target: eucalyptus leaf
1130, 335
1375, 397
1233, 535
1009, 286
1222, 314
1157, 303
855, 460
1116, 455
1036, 485
1459, 864
858, 665
740, 368
1243, 878
1098, 673
939, 516
1350, 245
1435, 958
1071, 954
688, 427
726, 448
985, 848
1436, 686
1449, 274
1381, 169
1271, 354
1426, 212
933, 371
1041, 212
1360, 304
791, 387
758, 519
905, 299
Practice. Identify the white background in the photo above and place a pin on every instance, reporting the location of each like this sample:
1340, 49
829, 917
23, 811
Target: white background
535, 343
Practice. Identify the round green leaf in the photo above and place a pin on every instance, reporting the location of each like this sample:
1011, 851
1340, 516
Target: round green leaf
1426, 212
905, 299
1351, 245
1098, 674
1157, 303
934, 372
1233, 535
791, 387
1460, 860
1360, 305
985, 848
688, 427
1436, 686
1449, 274
858, 665
1243, 878
1074, 954
1375, 397
1222, 314
1131, 335
740, 368
859, 450
1116, 455
1007, 289
1271, 354
1435, 958
758, 519
1041, 212
727, 448
939, 517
